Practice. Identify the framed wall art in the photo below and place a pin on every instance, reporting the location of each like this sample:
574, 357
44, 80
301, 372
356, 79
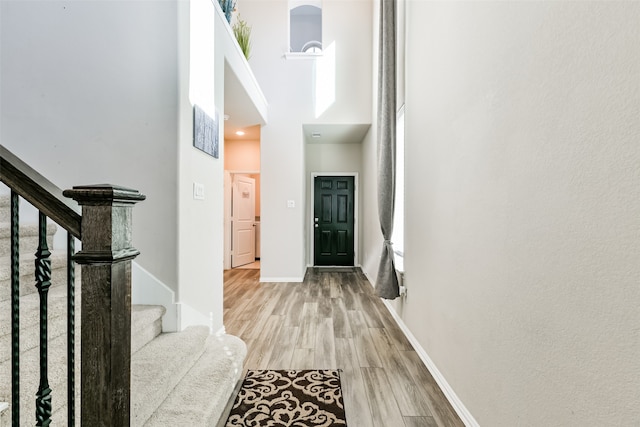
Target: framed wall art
206, 131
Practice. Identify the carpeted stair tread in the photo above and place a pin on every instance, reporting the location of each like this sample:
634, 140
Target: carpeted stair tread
200, 398
28, 234
30, 320
5, 207
159, 366
141, 316
146, 324
58, 260
29, 378
27, 273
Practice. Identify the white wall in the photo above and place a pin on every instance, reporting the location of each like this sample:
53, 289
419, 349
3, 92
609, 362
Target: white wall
102, 91
88, 95
344, 76
523, 199
201, 226
371, 242
371, 235
331, 158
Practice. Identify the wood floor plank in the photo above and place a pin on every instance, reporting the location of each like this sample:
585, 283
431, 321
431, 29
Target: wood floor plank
367, 353
236, 326
263, 312
324, 307
263, 346
284, 345
325, 287
356, 404
420, 422
440, 407
370, 312
253, 304
328, 321
289, 291
293, 307
384, 409
411, 400
325, 355
303, 358
399, 339
308, 326
335, 286
348, 295
341, 326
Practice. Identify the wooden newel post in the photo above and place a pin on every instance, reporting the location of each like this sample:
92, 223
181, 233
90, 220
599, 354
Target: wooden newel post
106, 302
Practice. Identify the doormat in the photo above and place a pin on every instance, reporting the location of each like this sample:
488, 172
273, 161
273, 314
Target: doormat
289, 398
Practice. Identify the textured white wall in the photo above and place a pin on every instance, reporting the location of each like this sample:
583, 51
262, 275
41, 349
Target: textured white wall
290, 88
102, 91
371, 242
332, 158
88, 95
523, 207
200, 222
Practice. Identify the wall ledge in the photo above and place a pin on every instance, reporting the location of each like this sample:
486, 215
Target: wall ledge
302, 55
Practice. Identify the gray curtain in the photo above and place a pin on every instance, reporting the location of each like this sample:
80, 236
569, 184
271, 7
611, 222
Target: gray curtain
387, 281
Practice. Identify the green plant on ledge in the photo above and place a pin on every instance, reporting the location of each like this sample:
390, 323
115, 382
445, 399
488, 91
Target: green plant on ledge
242, 32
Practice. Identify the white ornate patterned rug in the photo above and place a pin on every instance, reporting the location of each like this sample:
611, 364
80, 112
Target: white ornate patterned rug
293, 398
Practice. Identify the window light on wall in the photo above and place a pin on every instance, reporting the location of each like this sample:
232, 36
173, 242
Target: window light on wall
398, 215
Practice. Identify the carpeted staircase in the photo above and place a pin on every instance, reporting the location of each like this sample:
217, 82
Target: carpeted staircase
183, 378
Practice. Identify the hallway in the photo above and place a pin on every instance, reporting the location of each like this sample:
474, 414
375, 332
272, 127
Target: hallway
333, 320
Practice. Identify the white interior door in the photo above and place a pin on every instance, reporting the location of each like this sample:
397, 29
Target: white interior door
243, 217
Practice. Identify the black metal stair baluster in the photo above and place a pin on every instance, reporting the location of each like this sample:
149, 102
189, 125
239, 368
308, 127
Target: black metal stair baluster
15, 310
71, 334
43, 282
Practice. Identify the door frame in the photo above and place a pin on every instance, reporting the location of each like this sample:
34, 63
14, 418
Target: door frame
228, 182
243, 223
310, 216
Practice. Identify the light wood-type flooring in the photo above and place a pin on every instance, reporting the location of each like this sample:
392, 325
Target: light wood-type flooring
333, 320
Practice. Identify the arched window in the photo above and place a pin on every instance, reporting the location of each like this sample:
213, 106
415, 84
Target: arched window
305, 26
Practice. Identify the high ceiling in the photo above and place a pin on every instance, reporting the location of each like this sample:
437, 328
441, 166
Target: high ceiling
251, 133
240, 112
335, 133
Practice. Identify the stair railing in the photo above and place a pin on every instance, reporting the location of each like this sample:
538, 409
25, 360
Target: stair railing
104, 229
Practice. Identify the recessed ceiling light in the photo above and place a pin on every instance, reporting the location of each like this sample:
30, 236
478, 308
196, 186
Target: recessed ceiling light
316, 135
239, 133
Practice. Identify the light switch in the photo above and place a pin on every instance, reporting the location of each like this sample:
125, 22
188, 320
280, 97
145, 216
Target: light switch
198, 191
291, 203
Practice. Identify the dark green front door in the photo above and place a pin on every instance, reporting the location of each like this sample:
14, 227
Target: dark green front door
333, 220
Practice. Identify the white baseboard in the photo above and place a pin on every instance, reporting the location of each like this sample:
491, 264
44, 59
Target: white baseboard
188, 316
451, 396
282, 279
148, 289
